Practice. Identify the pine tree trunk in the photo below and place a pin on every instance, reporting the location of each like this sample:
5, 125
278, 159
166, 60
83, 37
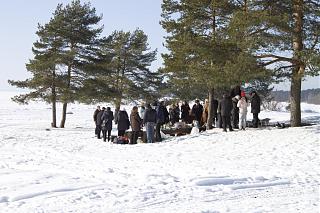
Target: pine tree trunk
295, 99
54, 110
67, 98
54, 101
64, 115
298, 70
210, 109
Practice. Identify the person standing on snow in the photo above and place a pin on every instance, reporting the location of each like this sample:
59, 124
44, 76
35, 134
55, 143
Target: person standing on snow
149, 120
225, 108
123, 122
185, 110
162, 118
95, 114
235, 112
99, 122
242, 104
255, 108
136, 123
197, 111
106, 125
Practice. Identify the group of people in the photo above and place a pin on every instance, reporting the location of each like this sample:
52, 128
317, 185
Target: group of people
229, 112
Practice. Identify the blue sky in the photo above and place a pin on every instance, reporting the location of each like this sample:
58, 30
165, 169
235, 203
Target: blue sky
19, 19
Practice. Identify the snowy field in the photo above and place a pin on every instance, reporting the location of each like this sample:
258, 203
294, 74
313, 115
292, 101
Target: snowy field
68, 170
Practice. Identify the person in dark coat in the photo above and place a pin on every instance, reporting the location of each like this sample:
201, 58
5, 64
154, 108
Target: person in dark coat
197, 111
235, 112
106, 125
149, 120
185, 110
162, 118
255, 108
225, 108
95, 114
99, 122
174, 113
123, 122
136, 123
215, 104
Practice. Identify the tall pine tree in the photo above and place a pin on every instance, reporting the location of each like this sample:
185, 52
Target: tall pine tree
285, 35
129, 63
44, 69
201, 50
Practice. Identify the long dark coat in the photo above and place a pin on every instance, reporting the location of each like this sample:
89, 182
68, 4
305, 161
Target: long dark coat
255, 104
135, 121
108, 117
225, 106
99, 121
197, 111
123, 120
185, 110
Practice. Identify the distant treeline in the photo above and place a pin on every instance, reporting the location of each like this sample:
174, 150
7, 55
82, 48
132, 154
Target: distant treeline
311, 96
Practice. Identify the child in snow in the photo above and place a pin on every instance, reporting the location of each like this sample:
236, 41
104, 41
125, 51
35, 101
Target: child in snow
242, 104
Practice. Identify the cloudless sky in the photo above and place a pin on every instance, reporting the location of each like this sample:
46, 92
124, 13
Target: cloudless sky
19, 19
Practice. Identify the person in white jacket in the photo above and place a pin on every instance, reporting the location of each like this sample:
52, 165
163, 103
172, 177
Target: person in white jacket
242, 104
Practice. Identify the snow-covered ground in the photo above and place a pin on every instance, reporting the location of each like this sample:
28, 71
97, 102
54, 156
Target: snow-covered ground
68, 170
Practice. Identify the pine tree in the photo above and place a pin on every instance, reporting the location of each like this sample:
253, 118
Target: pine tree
45, 79
201, 50
129, 61
76, 26
284, 34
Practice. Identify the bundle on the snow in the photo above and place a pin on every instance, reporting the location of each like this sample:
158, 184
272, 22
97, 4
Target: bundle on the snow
121, 140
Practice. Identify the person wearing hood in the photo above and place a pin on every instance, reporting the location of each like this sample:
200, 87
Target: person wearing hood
106, 125
136, 123
225, 108
123, 122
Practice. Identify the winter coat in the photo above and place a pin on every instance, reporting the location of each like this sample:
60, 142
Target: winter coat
150, 115
215, 105
225, 106
123, 121
255, 104
95, 115
107, 118
235, 108
197, 111
185, 110
135, 121
242, 104
99, 115
162, 114
205, 113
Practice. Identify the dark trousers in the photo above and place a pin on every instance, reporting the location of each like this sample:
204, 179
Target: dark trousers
98, 131
104, 134
121, 132
226, 122
134, 137
255, 120
158, 134
219, 120
235, 119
